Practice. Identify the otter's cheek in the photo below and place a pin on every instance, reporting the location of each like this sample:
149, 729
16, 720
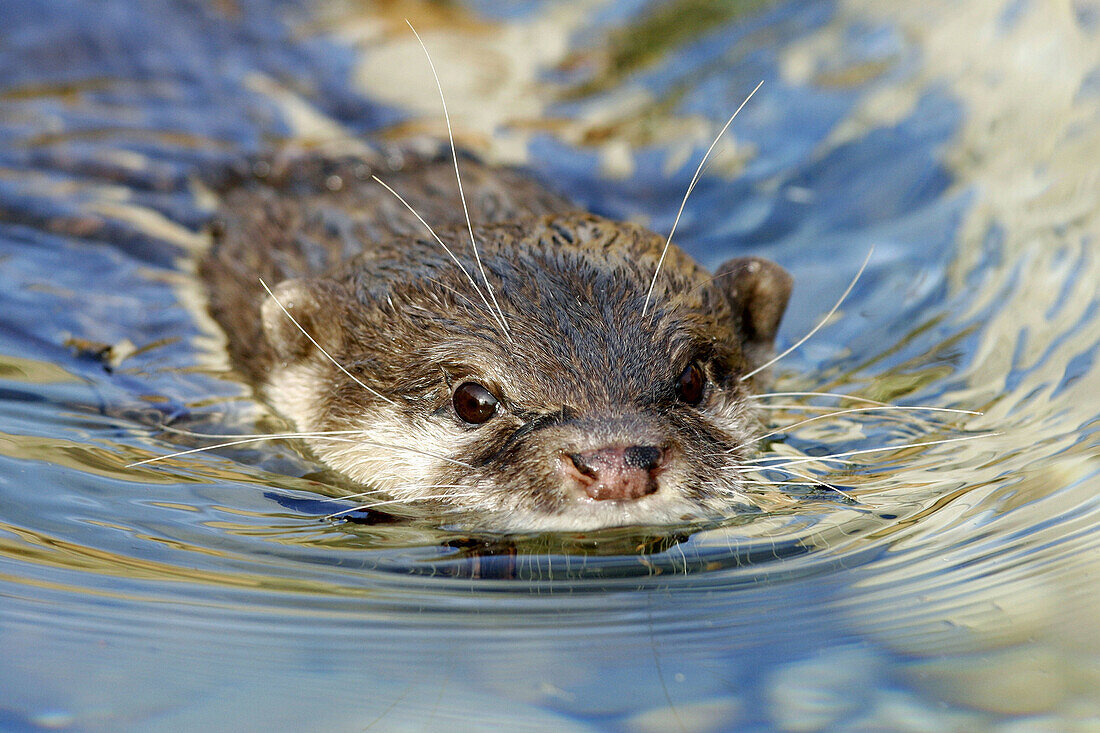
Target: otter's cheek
388, 451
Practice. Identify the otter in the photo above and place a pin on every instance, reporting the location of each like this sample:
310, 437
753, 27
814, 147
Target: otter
527, 371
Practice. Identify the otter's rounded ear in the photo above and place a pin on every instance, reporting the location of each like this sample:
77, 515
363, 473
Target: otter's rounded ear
296, 308
758, 291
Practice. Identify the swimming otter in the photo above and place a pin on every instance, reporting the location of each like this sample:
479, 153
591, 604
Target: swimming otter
532, 385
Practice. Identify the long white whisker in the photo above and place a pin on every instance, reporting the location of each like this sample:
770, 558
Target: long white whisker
821, 323
458, 177
814, 481
457, 294
375, 505
329, 434
745, 469
854, 398
691, 187
794, 406
835, 413
311, 434
402, 448
329, 356
329, 499
227, 444
836, 457
446, 249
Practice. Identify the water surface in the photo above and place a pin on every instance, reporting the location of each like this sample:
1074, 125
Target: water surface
944, 585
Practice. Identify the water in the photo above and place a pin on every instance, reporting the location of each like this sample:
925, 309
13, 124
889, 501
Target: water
955, 590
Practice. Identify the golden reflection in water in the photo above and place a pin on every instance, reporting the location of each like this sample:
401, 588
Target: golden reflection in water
31, 371
983, 586
38, 548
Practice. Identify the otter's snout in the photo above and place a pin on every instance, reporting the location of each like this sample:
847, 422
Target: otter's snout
616, 473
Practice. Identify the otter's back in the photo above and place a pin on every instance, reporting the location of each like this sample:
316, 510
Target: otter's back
301, 215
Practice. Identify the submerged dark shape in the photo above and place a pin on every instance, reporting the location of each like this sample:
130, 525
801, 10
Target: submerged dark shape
523, 385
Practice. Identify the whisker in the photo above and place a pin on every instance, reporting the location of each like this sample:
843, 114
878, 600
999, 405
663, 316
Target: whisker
816, 482
458, 177
330, 499
836, 457
691, 187
312, 434
821, 323
446, 249
904, 419
405, 449
794, 406
227, 444
328, 434
457, 294
382, 491
411, 500
854, 398
709, 280
329, 356
835, 413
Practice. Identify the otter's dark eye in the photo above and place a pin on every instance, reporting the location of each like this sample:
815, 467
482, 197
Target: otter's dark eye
474, 403
689, 387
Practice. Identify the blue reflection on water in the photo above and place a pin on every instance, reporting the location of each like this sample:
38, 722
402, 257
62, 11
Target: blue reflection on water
210, 591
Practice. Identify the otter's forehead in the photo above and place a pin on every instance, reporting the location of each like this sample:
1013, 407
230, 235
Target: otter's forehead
583, 328
571, 292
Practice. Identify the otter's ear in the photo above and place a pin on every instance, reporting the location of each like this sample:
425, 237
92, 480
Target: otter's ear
312, 304
758, 291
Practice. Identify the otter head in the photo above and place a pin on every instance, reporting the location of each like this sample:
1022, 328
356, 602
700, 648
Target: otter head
537, 388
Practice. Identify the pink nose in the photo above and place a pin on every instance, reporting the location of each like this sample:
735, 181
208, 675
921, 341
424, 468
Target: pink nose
616, 473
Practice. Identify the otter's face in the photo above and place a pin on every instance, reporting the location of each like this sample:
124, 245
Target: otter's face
558, 400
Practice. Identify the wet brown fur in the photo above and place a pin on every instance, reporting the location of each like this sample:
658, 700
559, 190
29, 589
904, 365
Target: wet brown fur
579, 366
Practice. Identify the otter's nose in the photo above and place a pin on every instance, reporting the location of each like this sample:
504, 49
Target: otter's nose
617, 473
